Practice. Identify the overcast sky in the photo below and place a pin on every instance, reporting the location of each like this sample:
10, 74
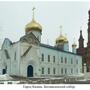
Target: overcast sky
71, 15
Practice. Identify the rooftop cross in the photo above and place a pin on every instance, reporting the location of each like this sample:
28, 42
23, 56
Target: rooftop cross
60, 29
33, 12
74, 40
81, 28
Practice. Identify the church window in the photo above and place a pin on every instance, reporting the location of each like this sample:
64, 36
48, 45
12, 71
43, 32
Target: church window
42, 70
65, 70
71, 61
48, 70
7, 55
15, 56
42, 57
65, 60
61, 59
71, 70
54, 71
61, 70
54, 59
48, 58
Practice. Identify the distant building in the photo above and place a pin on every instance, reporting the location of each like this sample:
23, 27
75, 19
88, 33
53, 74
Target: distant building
28, 57
85, 51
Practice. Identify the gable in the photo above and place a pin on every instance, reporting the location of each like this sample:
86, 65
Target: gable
6, 43
30, 38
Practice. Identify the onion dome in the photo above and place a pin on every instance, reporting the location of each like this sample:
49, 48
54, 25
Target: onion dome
65, 39
74, 45
33, 25
61, 39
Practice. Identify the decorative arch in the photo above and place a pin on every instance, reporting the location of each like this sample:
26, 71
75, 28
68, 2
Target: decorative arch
30, 71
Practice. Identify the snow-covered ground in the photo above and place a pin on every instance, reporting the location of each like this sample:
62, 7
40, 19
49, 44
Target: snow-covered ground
5, 77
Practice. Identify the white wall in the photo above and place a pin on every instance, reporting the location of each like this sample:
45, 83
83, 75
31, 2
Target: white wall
58, 65
33, 57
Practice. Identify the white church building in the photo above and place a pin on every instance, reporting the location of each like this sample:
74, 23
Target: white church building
28, 57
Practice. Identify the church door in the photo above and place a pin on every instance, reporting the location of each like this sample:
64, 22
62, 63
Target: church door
30, 71
4, 70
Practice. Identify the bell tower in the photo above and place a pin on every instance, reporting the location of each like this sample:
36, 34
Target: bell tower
81, 40
88, 44
85, 51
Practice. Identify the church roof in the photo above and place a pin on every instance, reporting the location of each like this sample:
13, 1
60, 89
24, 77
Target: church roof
33, 25
57, 49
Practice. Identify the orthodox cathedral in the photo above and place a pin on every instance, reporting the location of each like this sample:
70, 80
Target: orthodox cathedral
28, 57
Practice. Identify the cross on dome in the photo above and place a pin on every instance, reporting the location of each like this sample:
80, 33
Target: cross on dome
33, 9
33, 25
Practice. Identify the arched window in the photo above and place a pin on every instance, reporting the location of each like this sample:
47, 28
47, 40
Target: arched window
71, 70
54, 59
42, 57
65, 60
65, 70
54, 71
42, 70
15, 56
48, 70
48, 58
61, 59
61, 70
30, 71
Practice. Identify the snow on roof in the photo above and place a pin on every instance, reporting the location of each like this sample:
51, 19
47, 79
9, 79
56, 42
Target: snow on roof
78, 75
5, 77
